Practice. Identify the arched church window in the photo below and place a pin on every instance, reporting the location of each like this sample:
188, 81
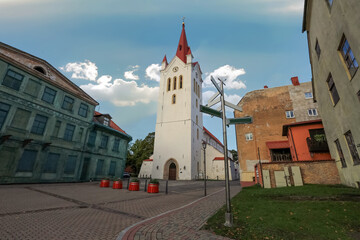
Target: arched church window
197, 120
180, 82
198, 90
197, 134
196, 103
173, 101
194, 85
169, 84
174, 87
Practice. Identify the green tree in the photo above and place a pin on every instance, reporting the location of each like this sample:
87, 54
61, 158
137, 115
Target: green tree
235, 155
139, 151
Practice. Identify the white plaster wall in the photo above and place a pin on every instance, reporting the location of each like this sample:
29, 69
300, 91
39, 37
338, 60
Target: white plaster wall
146, 169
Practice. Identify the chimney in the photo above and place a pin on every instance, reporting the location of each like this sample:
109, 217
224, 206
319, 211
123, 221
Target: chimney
266, 86
295, 81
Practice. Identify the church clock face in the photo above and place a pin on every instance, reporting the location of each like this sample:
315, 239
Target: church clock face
175, 69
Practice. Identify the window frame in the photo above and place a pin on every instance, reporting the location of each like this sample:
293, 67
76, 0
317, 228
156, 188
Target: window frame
340, 153
83, 110
348, 57
70, 168
51, 168
352, 147
249, 137
173, 99
290, 115
30, 164
174, 83
68, 133
39, 124
116, 145
47, 95
104, 141
332, 90
68, 103
312, 112
309, 97
169, 84
180, 82
3, 109
13, 82
100, 167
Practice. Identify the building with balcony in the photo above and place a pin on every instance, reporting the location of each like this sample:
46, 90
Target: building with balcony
271, 108
333, 36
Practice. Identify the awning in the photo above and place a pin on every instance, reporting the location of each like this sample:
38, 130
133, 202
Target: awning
278, 144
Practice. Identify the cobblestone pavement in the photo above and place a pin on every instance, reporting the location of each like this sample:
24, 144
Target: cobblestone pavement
181, 223
86, 211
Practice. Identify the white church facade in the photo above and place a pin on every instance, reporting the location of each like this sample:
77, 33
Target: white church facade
179, 131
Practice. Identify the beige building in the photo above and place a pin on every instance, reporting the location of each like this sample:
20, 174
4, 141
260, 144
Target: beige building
271, 108
334, 48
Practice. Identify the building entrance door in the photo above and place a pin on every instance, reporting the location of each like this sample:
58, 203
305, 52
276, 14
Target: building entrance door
85, 169
172, 171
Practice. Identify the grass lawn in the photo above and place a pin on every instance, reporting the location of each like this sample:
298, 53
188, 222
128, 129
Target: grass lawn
308, 212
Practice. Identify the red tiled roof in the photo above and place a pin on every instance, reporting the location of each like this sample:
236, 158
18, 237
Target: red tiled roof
219, 159
278, 144
165, 60
285, 127
148, 160
111, 123
212, 136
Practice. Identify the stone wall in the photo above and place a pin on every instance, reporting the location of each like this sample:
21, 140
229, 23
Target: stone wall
312, 172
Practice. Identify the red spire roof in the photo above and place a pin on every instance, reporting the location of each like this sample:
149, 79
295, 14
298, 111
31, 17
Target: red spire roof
183, 47
165, 60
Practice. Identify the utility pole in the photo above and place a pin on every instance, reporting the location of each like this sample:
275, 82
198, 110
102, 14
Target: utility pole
204, 147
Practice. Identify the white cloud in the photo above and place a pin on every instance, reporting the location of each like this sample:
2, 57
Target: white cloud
229, 73
130, 74
289, 7
153, 72
82, 70
120, 92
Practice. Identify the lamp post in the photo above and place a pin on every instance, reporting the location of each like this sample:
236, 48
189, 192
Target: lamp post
204, 147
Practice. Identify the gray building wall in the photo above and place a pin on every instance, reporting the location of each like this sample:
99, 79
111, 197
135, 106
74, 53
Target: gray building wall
327, 25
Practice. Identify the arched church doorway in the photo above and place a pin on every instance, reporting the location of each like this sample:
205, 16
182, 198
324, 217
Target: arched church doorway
172, 171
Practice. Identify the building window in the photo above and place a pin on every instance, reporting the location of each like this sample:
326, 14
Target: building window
116, 145
169, 84
332, 88
104, 141
348, 56
92, 138
99, 167
112, 168
174, 83
308, 95
352, 147
197, 120
32, 88
83, 110
180, 82
70, 164
312, 112
80, 133
197, 134
106, 121
39, 125
317, 49
27, 160
57, 128
69, 132
290, 114
51, 163
194, 86
49, 95
13, 80
340, 153
40, 70
248, 136
68, 103
197, 103
4, 109
173, 101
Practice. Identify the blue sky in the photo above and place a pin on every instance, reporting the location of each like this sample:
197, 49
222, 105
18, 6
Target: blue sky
112, 49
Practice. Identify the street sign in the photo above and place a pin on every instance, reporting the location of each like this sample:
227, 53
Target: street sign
243, 120
210, 111
233, 106
212, 103
215, 84
213, 97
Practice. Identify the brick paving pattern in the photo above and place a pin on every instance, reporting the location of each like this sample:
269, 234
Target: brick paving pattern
86, 211
183, 223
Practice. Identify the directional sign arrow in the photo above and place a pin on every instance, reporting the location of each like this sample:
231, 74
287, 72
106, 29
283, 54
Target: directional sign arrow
243, 120
212, 103
233, 106
213, 97
210, 111
215, 84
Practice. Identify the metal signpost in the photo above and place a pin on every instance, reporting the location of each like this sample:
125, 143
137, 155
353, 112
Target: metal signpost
222, 114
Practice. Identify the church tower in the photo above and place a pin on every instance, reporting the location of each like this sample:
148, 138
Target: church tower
179, 123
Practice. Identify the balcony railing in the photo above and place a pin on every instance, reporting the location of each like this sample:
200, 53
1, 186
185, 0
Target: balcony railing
317, 146
281, 157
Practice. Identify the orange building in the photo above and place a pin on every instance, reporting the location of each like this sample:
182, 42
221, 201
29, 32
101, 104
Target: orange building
307, 141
